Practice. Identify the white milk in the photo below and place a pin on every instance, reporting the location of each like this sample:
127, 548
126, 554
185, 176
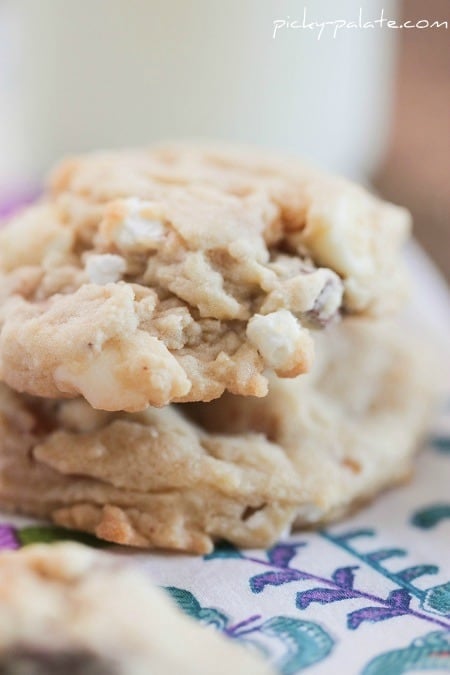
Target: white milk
98, 73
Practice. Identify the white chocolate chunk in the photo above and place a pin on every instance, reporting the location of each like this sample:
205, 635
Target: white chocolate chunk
105, 268
278, 336
126, 375
134, 226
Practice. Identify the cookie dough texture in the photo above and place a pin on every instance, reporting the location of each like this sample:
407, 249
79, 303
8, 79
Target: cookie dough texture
67, 610
177, 273
240, 469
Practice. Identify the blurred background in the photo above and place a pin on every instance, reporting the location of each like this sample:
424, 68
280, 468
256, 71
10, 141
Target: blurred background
372, 103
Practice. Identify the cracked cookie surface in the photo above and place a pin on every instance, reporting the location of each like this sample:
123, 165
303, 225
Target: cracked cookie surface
178, 273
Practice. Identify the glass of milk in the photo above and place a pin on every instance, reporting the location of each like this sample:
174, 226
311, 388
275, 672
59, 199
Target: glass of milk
108, 73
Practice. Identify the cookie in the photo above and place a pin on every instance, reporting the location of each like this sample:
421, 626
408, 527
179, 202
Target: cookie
240, 469
58, 616
175, 274
352, 426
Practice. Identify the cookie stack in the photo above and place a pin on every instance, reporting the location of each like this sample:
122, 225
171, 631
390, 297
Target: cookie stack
198, 344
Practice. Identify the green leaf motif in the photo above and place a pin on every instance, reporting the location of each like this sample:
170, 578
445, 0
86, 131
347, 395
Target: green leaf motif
223, 550
48, 534
189, 604
437, 599
430, 652
441, 443
301, 643
430, 516
305, 642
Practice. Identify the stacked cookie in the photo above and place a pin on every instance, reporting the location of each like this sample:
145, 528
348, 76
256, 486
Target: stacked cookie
194, 345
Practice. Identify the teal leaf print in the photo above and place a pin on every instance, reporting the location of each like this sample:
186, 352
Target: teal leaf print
340, 586
411, 573
430, 516
306, 642
437, 599
385, 554
187, 602
431, 652
301, 643
441, 443
345, 537
223, 550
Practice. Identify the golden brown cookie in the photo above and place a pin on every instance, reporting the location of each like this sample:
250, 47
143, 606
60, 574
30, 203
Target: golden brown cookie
176, 273
239, 469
